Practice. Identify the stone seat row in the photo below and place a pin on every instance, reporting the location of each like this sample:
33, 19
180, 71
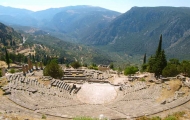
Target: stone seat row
149, 93
38, 101
64, 86
23, 83
146, 107
135, 87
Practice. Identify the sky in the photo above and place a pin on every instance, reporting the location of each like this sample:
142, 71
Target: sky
116, 5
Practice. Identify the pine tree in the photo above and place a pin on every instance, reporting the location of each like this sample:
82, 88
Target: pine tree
53, 69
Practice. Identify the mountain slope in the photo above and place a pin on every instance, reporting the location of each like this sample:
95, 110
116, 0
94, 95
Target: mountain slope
40, 44
81, 21
9, 37
9, 15
56, 47
137, 31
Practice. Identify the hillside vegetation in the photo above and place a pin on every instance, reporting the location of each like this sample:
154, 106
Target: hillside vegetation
124, 37
137, 31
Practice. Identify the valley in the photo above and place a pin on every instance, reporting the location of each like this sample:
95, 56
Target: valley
75, 61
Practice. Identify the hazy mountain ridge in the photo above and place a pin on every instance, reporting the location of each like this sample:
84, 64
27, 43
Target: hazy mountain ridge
138, 30
72, 21
135, 32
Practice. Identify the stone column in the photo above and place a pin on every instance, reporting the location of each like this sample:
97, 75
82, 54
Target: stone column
29, 64
41, 66
30, 67
36, 65
24, 70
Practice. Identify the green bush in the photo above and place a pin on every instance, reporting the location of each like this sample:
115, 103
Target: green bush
142, 79
53, 70
171, 70
43, 116
12, 70
75, 65
131, 70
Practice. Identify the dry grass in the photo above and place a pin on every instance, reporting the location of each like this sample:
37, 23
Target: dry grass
3, 64
1, 93
46, 83
174, 86
3, 82
31, 117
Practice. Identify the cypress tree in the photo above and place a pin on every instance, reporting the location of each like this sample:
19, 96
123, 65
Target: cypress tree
7, 58
159, 49
158, 62
144, 60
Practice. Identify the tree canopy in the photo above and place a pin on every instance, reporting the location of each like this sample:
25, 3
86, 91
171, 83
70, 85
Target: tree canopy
75, 65
158, 61
130, 70
172, 68
53, 69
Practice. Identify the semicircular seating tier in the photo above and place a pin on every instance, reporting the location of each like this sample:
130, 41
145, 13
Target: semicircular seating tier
95, 99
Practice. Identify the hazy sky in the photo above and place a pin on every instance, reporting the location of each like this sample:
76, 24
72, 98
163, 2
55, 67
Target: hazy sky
116, 5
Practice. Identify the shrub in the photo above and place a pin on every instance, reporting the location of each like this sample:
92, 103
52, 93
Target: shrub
12, 70
53, 70
142, 79
170, 70
43, 116
130, 70
75, 65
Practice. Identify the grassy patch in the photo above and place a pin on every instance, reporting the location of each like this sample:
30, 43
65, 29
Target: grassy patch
147, 118
142, 79
85, 118
174, 116
170, 117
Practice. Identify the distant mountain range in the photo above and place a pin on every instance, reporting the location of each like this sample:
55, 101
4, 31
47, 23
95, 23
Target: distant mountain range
137, 31
125, 35
76, 22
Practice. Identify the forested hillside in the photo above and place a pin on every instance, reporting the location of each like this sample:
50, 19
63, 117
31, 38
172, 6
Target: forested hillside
126, 36
9, 37
137, 31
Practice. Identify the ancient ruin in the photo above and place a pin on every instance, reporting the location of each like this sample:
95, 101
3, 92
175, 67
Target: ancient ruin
84, 92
